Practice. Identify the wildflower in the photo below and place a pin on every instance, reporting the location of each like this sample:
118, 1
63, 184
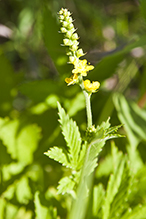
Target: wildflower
72, 80
80, 53
91, 87
82, 67
71, 38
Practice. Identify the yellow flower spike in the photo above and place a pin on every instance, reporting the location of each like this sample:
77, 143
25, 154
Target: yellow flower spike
91, 87
81, 66
72, 80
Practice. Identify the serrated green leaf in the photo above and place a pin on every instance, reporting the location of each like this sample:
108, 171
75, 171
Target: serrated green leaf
91, 158
104, 132
104, 125
82, 155
113, 129
71, 134
58, 155
98, 137
80, 205
66, 185
90, 163
111, 136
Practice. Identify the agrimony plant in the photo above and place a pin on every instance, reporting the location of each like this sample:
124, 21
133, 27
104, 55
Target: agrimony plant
81, 154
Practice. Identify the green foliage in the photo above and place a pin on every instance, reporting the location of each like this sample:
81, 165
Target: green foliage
42, 208
71, 136
78, 154
72, 159
15, 135
94, 180
117, 188
73, 140
133, 117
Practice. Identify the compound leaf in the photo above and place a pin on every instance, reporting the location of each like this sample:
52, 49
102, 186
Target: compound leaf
66, 185
71, 134
58, 155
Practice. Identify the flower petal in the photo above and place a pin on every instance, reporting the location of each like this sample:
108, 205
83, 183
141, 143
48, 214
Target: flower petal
91, 87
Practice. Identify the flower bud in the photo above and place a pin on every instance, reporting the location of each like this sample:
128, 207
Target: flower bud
63, 30
69, 53
61, 17
71, 59
68, 34
61, 11
64, 24
66, 12
72, 30
80, 53
67, 42
75, 42
74, 47
69, 20
70, 26
75, 36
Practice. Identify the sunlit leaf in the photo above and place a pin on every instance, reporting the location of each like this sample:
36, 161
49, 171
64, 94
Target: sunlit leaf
58, 155
66, 185
21, 142
71, 134
43, 209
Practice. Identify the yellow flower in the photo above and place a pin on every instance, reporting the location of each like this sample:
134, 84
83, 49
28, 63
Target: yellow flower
81, 66
91, 87
72, 80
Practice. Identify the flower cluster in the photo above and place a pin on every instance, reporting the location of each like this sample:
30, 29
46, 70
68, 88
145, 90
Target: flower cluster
81, 67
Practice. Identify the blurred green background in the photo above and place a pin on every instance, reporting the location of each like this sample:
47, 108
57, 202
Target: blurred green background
33, 67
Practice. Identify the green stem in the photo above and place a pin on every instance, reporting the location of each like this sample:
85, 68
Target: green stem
88, 103
88, 109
